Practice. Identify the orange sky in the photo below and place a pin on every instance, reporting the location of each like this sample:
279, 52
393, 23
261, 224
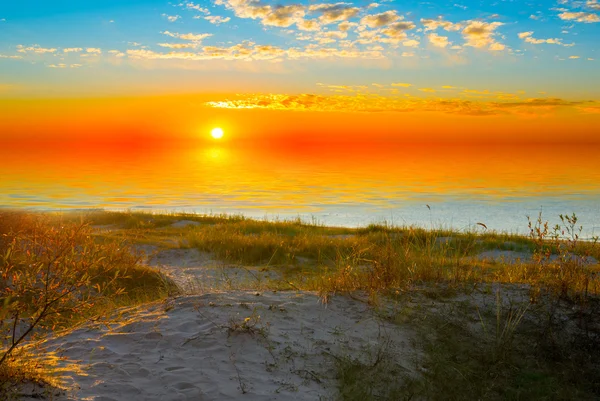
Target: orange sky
189, 118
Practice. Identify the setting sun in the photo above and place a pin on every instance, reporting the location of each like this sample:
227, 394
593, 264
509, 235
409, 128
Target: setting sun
217, 133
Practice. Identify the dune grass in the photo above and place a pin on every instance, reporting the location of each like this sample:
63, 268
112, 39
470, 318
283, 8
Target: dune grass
55, 274
509, 356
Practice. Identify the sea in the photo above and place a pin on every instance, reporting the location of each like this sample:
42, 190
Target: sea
466, 188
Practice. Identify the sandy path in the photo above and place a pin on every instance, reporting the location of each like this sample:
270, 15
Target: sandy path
186, 350
198, 272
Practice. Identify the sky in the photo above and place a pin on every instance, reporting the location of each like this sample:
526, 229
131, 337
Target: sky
465, 70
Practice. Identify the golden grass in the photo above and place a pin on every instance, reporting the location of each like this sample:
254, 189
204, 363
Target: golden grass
379, 259
55, 274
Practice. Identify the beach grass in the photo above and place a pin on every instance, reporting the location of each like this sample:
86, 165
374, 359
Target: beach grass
56, 274
492, 352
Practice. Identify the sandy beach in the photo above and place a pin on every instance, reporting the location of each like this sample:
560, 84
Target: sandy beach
230, 345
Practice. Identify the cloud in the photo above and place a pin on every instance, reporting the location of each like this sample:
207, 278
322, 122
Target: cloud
308, 25
179, 45
574, 57
527, 37
246, 8
594, 109
579, 17
401, 84
197, 7
250, 51
330, 36
380, 20
93, 50
365, 102
432, 25
593, 4
116, 53
345, 26
12, 57
397, 30
438, 41
217, 20
331, 13
35, 49
480, 34
411, 43
284, 16
193, 37
171, 18
72, 50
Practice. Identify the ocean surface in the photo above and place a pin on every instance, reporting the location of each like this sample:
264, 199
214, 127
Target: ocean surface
429, 186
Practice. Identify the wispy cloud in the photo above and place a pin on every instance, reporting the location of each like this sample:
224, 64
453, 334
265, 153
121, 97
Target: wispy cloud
373, 103
216, 19
528, 37
35, 49
13, 57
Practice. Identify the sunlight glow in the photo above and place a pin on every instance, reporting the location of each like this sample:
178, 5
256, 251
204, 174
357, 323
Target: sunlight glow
217, 133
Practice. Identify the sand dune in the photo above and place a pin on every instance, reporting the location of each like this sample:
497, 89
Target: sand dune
220, 346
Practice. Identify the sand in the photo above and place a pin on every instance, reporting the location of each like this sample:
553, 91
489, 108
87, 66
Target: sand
197, 348
228, 339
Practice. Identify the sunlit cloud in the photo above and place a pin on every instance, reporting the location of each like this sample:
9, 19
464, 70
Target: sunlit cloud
433, 24
116, 53
438, 41
188, 36
374, 103
308, 25
72, 50
332, 13
35, 49
481, 34
528, 37
192, 6
411, 43
179, 45
250, 51
380, 20
579, 17
281, 16
593, 4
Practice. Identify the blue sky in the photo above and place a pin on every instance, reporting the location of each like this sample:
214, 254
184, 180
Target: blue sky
127, 47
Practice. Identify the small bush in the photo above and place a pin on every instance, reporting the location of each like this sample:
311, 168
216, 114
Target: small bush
54, 275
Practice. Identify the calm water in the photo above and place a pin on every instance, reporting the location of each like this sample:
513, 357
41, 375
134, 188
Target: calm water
351, 186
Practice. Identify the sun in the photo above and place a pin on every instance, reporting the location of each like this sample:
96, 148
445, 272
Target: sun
217, 133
